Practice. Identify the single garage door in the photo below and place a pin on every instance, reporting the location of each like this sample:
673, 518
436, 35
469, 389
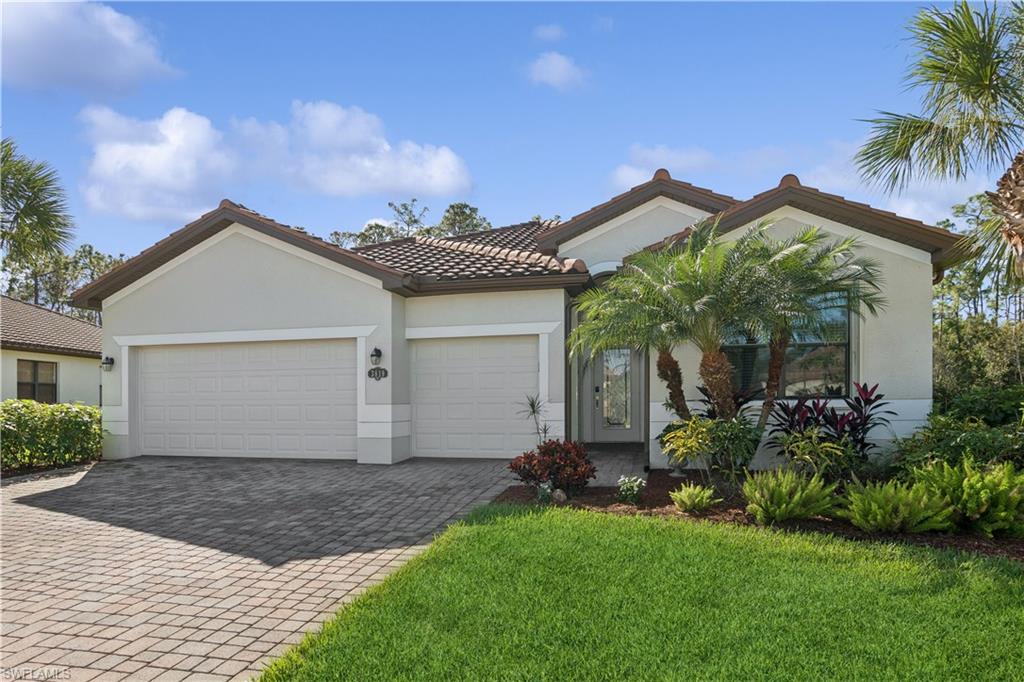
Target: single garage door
467, 394
269, 399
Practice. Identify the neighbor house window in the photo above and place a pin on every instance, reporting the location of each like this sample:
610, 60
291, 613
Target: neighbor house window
817, 361
37, 381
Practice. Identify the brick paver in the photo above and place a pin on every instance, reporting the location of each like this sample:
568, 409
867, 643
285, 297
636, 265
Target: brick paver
191, 568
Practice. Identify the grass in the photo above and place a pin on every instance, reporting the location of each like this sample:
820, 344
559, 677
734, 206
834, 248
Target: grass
518, 593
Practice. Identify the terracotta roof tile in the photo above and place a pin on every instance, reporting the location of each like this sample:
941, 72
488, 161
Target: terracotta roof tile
30, 327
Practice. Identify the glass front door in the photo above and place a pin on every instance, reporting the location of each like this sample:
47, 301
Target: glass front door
613, 381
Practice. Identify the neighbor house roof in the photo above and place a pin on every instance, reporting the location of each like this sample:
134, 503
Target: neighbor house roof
940, 243
661, 185
28, 327
419, 265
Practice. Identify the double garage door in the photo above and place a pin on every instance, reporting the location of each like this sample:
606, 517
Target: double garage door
272, 399
298, 398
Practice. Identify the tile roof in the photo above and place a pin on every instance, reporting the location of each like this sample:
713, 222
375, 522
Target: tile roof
472, 257
30, 327
522, 236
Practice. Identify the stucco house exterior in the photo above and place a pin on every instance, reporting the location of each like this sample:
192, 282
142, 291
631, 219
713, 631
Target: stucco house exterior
240, 336
47, 356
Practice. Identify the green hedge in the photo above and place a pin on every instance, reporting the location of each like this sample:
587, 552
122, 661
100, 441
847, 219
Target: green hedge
37, 435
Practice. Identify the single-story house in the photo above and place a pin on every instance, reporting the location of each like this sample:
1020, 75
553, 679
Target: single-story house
240, 336
47, 356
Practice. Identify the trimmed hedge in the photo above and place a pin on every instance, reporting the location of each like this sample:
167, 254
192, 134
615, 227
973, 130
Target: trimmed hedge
37, 435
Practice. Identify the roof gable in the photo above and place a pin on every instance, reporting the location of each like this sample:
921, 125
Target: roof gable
661, 185
226, 214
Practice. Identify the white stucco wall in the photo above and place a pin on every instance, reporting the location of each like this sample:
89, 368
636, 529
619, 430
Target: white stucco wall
78, 379
893, 349
241, 281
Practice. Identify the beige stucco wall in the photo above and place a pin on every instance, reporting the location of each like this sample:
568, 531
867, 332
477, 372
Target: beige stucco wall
78, 379
603, 247
893, 349
245, 281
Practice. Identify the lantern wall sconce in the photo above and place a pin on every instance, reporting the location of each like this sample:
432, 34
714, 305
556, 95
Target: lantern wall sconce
107, 364
375, 356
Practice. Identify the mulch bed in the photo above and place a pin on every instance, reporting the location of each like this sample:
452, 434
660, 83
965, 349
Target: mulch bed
656, 502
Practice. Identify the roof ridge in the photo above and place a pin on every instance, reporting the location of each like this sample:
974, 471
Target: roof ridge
51, 310
509, 254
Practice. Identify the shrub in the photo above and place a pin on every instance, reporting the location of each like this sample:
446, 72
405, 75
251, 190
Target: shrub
782, 495
630, 488
947, 439
37, 435
693, 497
725, 446
562, 463
863, 415
895, 507
810, 449
994, 406
988, 500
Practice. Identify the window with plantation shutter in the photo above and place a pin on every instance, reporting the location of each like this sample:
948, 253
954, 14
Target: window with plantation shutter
817, 361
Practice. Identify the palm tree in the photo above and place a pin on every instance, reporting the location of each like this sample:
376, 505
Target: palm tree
700, 290
800, 280
970, 68
35, 222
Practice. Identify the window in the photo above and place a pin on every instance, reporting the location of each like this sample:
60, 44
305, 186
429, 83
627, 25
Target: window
37, 381
817, 361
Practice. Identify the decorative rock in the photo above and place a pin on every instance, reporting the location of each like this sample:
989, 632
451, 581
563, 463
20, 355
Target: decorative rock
559, 496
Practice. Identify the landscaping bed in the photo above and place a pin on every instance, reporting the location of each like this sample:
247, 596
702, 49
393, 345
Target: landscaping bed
655, 501
528, 593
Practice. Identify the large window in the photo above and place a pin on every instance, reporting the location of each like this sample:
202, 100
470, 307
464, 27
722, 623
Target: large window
37, 381
817, 361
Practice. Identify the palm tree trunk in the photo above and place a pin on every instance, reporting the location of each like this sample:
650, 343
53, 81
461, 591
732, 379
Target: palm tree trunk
716, 372
669, 372
776, 359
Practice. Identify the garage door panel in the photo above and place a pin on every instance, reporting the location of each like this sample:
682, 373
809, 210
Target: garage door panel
466, 395
279, 399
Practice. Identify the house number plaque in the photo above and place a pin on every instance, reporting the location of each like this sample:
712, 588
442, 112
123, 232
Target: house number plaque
377, 373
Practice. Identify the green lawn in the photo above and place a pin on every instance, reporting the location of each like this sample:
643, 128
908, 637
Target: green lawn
524, 594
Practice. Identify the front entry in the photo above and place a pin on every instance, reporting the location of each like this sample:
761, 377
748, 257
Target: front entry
611, 393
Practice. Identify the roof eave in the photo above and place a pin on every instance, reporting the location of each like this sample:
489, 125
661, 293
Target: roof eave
51, 350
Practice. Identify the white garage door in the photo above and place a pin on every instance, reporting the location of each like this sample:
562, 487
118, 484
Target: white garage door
467, 395
270, 399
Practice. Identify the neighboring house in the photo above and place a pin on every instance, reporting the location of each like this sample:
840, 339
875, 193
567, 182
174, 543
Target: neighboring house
240, 336
47, 356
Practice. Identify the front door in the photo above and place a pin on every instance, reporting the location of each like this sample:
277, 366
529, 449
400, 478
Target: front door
612, 383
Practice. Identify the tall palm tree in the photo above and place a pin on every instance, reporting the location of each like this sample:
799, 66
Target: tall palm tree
801, 280
35, 222
699, 291
970, 69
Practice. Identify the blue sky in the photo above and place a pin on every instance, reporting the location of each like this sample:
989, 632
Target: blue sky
319, 114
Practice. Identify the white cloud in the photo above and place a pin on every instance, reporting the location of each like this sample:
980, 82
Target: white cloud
343, 151
925, 201
86, 46
549, 32
644, 160
556, 70
171, 167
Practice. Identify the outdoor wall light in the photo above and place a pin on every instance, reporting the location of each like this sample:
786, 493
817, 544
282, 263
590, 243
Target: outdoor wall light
375, 356
107, 364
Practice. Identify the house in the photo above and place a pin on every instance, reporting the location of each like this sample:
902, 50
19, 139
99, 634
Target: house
240, 336
47, 356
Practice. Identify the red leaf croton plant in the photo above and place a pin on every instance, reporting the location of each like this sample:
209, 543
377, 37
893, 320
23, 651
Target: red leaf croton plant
562, 464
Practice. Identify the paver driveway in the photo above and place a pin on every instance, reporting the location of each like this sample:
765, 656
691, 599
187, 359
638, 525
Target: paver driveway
188, 568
